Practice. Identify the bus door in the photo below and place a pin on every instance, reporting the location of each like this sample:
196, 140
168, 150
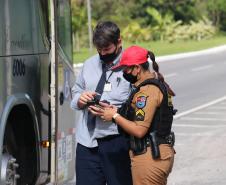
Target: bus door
65, 119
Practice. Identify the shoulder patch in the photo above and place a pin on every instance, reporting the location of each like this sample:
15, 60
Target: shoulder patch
140, 114
170, 102
141, 101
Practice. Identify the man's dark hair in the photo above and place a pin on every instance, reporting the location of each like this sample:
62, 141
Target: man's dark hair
105, 33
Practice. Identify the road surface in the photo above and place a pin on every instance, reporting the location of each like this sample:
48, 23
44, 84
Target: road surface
200, 85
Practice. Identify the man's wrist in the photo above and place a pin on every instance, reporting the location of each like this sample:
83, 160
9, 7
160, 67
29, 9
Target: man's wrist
114, 117
81, 105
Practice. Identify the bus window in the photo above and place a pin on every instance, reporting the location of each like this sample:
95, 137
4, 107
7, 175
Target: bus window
45, 22
21, 28
45, 13
64, 27
1, 27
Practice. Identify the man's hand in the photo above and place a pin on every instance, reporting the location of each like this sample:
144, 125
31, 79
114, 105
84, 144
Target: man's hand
96, 110
84, 98
103, 104
103, 110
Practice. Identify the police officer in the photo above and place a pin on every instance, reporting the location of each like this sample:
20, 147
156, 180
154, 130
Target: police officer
97, 162
147, 117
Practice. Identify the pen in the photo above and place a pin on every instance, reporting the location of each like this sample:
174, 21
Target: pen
118, 80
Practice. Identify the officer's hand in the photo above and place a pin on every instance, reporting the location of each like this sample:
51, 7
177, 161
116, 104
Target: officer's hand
108, 113
84, 98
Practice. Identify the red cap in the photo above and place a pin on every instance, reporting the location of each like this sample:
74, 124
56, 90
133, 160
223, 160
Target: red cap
132, 56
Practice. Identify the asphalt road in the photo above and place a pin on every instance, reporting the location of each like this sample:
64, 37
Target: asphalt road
200, 147
201, 134
196, 80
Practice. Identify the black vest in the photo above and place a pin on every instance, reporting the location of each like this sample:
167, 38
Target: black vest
163, 118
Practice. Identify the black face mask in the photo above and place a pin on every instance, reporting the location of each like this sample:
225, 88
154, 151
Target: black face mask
109, 57
130, 78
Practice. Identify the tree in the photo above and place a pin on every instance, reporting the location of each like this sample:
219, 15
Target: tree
111, 9
134, 33
183, 10
161, 21
217, 11
79, 21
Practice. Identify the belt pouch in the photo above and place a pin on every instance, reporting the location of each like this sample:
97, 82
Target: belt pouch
137, 145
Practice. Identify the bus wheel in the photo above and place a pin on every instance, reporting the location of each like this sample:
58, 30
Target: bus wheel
8, 170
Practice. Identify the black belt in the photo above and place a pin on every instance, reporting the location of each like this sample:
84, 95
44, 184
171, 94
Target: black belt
170, 139
139, 145
106, 138
160, 141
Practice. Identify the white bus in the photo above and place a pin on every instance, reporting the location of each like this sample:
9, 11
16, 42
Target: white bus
36, 122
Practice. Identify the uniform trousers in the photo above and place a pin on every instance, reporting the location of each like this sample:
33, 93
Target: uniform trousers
149, 171
109, 163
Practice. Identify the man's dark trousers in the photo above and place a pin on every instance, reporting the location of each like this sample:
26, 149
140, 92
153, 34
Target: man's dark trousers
109, 163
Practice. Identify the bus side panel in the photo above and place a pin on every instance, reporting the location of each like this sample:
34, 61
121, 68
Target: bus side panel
66, 124
1, 30
66, 116
24, 64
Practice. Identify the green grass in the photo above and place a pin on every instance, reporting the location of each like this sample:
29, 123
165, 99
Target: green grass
82, 55
162, 48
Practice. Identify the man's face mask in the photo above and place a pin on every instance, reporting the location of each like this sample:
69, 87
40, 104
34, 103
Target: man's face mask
129, 77
109, 57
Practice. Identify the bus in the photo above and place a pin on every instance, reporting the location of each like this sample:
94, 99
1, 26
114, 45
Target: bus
37, 126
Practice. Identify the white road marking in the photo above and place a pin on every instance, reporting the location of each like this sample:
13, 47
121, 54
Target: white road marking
170, 75
209, 113
202, 68
218, 107
179, 144
196, 134
199, 126
202, 119
199, 107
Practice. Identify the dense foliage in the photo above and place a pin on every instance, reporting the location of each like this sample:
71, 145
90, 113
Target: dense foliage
145, 20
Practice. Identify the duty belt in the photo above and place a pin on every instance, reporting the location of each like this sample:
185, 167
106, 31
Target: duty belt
139, 146
170, 139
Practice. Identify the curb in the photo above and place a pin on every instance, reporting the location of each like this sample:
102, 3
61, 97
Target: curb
191, 54
181, 55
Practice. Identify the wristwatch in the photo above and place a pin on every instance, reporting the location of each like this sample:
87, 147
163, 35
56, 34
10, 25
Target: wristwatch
114, 117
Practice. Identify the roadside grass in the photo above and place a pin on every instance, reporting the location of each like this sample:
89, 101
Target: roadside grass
161, 48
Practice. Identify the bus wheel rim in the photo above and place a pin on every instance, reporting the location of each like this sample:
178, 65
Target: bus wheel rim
8, 170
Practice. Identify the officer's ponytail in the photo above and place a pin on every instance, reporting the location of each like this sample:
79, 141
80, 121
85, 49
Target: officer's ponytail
151, 57
151, 63
155, 67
